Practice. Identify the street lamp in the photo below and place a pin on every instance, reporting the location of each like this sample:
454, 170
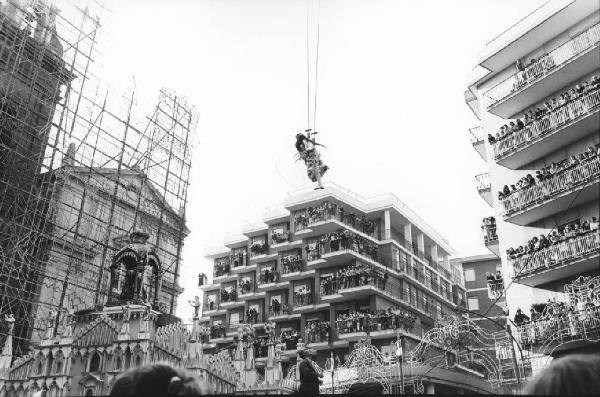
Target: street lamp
399, 354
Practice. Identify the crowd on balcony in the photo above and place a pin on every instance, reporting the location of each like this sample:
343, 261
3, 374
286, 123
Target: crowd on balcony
258, 248
303, 297
261, 346
278, 237
353, 275
290, 339
238, 258
268, 275
489, 229
342, 240
205, 333
252, 316
375, 320
557, 168
210, 304
495, 283
291, 263
218, 331
318, 331
277, 308
222, 267
228, 294
570, 318
570, 231
550, 106
327, 211
245, 286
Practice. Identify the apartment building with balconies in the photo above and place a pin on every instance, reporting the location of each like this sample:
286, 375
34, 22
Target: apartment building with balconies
536, 94
317, 265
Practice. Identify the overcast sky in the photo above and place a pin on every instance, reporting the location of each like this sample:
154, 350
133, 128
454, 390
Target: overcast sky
390, 102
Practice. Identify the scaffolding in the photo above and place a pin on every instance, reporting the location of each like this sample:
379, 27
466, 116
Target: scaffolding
81, 167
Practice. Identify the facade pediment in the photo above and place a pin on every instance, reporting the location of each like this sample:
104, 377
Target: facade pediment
102, 331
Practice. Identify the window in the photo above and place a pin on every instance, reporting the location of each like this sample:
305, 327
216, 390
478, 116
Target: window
95, 363
470, 275
473, 304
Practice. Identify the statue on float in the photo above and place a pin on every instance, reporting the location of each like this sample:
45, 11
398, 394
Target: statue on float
135, 273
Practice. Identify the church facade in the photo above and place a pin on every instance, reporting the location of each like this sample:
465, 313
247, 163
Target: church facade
81, 353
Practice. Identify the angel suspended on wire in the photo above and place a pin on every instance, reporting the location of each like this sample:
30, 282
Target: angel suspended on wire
307, 151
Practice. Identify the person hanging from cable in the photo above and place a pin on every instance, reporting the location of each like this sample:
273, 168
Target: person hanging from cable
307, 151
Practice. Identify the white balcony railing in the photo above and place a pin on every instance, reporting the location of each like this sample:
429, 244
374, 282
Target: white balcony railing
543, 66
549, 122
548, 188
554, 255
579, 325
483, 181
476, 134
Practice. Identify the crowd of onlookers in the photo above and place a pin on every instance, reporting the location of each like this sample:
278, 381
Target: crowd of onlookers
290, 339
489, 229
252, 316
558, 317
342, 239
268, 275
327, 211
291, 263
258, 248
238, 258
317, 331
222, 267
280, 237
218, 331
557, 167
374, 320
245, 286
550, 106
303, 296
277, 308
495, 283
228, 295
570, 231
353, 275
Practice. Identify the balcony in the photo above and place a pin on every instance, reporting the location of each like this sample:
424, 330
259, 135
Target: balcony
559, 333
283, 241
569, 188
568, 258
382, 327
577, 57
490, 238
484, 187
284, 314
554, 130
477, 140
330, 217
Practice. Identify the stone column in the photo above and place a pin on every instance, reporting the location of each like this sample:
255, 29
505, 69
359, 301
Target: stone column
387, 226
421, 242
408, 234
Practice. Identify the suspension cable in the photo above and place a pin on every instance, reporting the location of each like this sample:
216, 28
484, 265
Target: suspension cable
317, 65
307, 72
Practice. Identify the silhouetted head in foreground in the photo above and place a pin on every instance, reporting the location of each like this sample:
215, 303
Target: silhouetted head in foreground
158, 380
577, 374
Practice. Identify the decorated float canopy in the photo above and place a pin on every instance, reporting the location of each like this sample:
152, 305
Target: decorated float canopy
135, 272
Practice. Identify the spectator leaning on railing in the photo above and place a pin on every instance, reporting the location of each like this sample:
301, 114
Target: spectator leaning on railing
553, 105
570, 231
557, 168
375, 320
580, 314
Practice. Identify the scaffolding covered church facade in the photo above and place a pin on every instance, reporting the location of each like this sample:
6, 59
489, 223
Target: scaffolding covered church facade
81, 167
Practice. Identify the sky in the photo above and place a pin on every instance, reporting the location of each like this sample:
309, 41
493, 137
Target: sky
390, 104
